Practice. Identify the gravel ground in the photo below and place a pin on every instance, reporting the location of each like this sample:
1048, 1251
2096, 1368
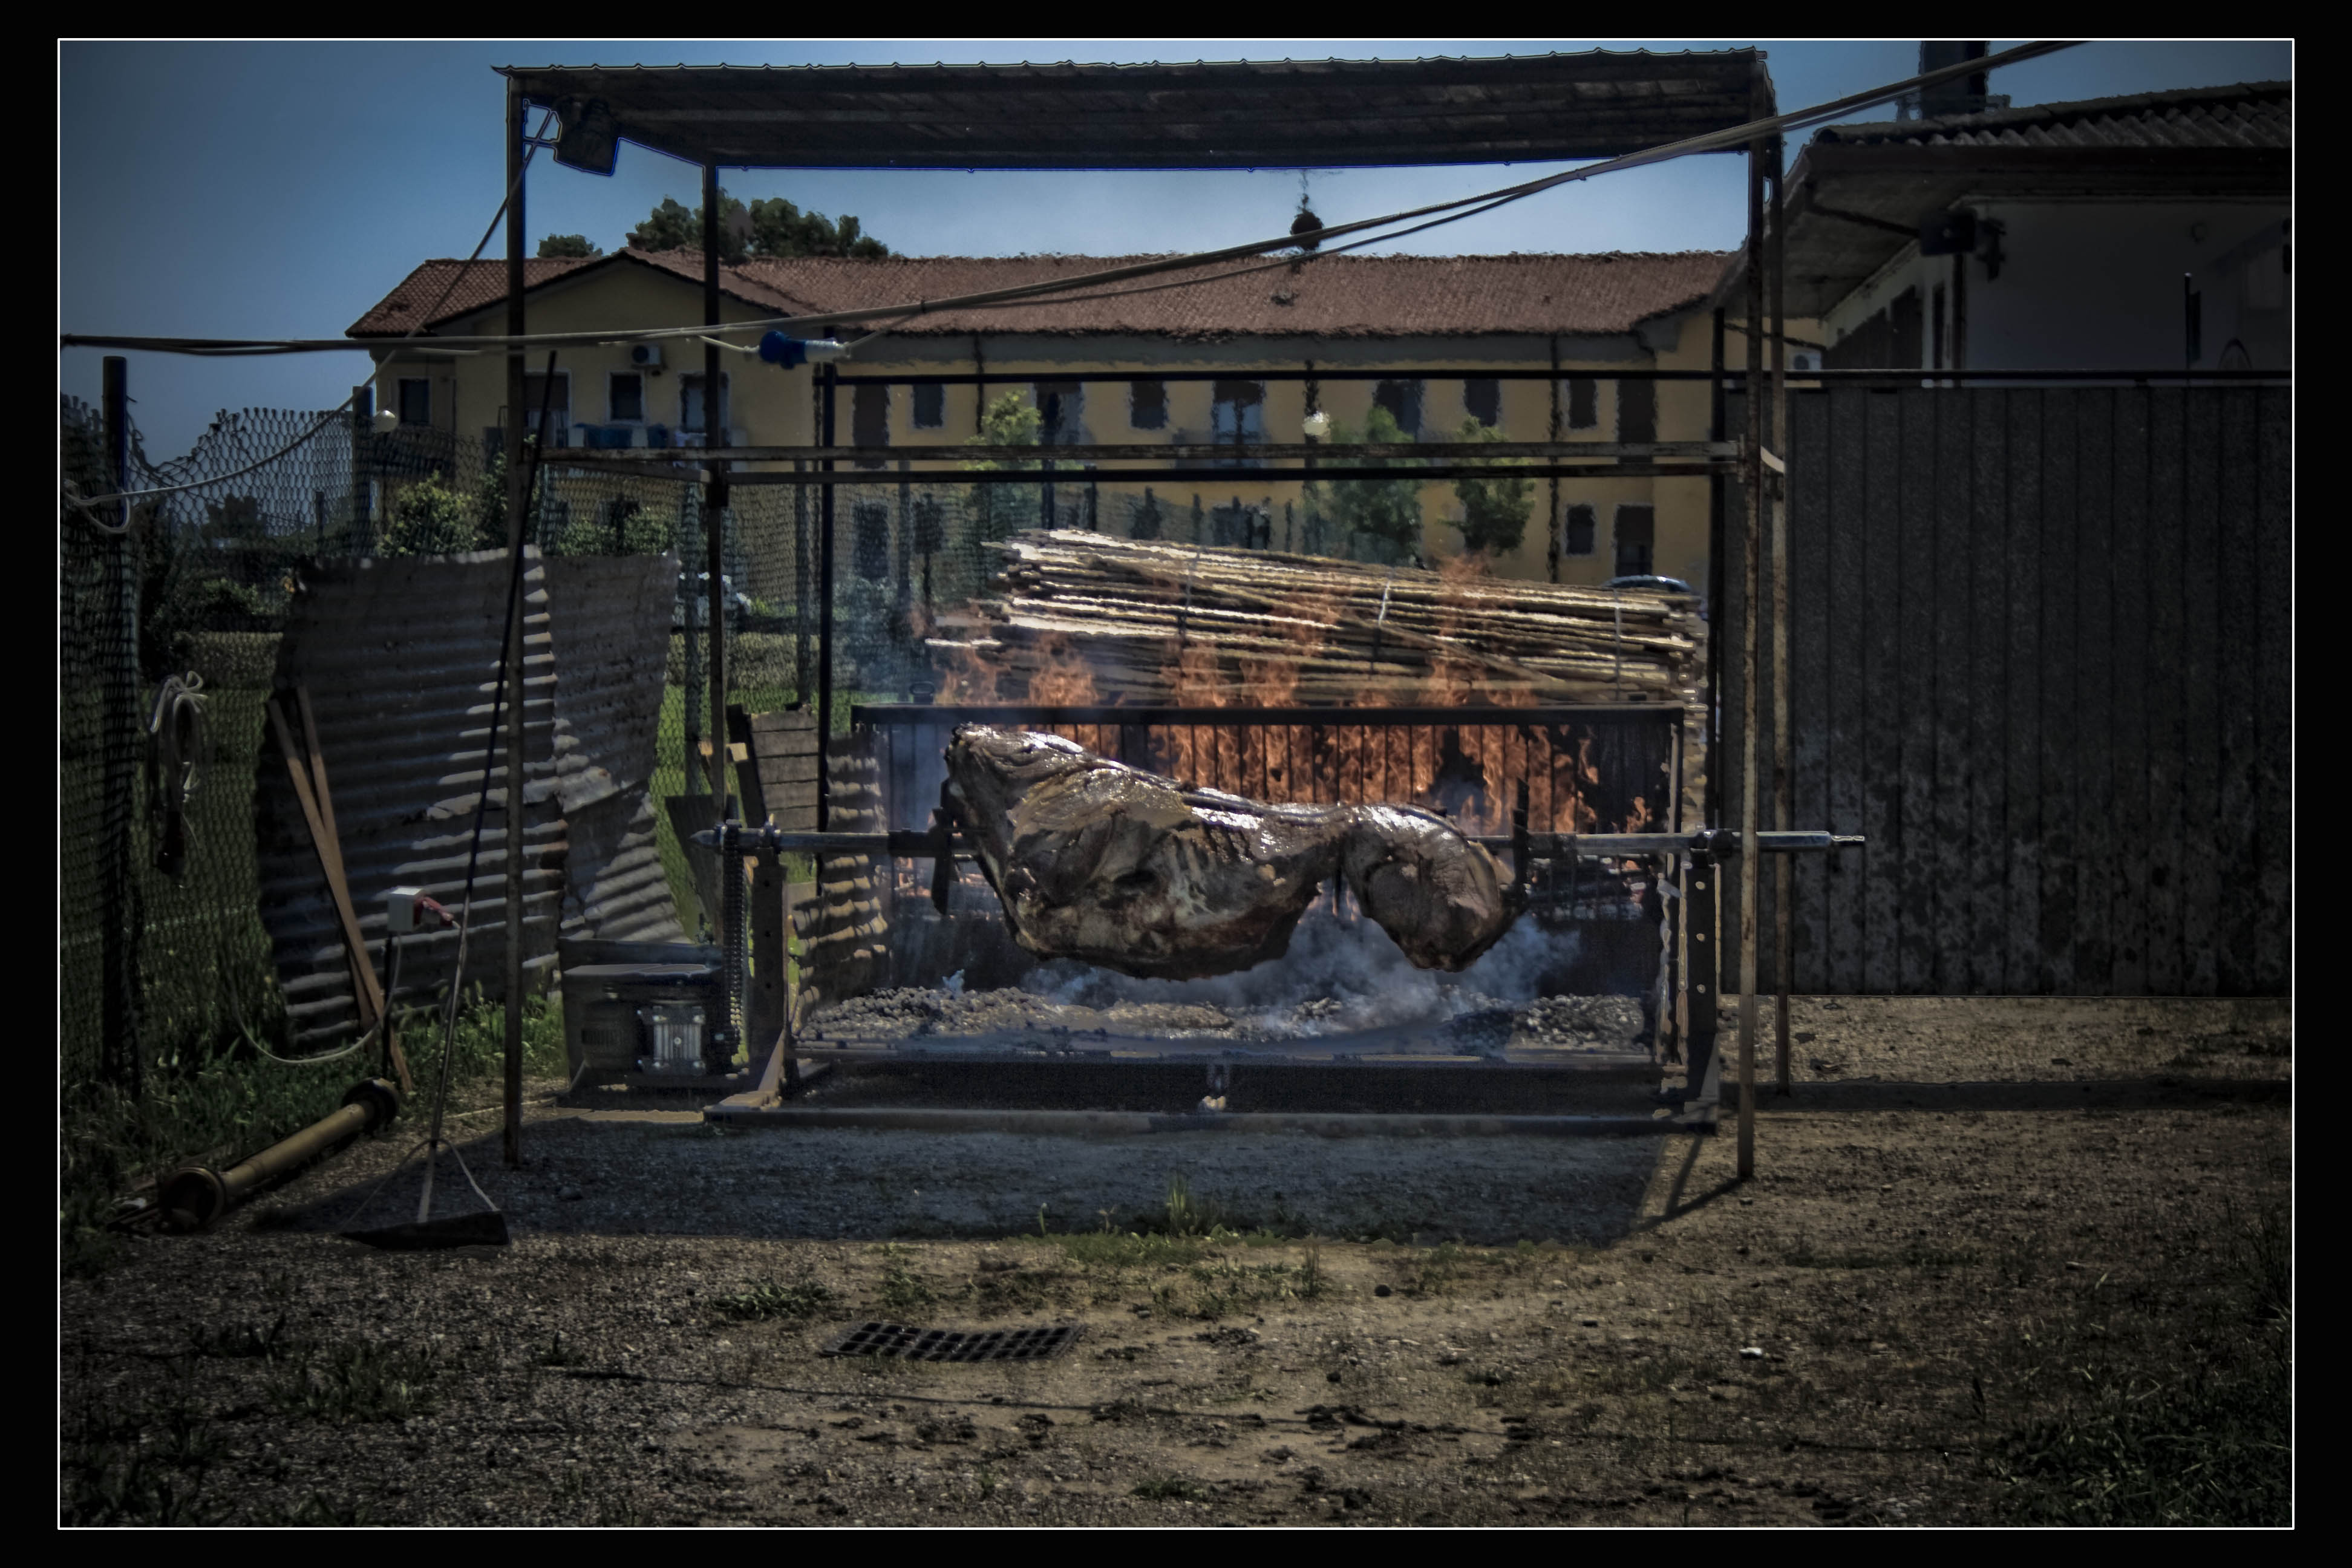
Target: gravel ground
1495, 1330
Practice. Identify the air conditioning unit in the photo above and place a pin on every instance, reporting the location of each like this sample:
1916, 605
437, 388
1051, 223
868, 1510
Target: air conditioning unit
646, 357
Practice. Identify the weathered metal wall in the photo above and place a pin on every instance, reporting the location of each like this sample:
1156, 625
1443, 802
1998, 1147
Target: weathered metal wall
2039, 643
611, 617
400, 657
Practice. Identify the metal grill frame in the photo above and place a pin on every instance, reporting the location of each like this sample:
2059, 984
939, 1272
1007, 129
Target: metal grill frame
904, 1341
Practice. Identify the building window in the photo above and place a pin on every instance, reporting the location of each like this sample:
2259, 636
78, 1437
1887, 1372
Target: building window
869, 420
1577, 538
1637, 529
1236, 412
931, 407
1583, 404
1482, 399
625, 398
1403, 400
535, 392
416, 401
1936, 330
869, 547
1147, 404
1637, 410
1061, 413
690, 400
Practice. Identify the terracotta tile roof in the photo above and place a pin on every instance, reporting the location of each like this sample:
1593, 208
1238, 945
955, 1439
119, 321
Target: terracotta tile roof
1341, 296
2247, 114
482, 283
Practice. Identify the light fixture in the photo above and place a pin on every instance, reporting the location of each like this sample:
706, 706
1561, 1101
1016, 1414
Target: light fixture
387, 420
589, 141
1315, 426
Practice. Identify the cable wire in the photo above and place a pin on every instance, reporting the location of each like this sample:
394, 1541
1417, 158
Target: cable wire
87, 504
1458, 208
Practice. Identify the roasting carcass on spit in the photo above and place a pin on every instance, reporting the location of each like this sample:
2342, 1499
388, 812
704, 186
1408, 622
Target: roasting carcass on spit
1107, 864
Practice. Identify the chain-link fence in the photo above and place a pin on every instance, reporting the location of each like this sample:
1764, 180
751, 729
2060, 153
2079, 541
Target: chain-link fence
169, 633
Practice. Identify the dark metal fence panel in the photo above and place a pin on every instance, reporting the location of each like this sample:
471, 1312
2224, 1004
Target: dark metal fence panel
2039, 654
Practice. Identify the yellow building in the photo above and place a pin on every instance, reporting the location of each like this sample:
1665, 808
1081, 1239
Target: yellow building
1372, 329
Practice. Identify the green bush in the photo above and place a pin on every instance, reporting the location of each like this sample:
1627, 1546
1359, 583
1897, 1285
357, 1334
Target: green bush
1494, 509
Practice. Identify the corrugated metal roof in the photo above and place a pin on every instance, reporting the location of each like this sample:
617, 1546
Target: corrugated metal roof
2247, 114
1340, 295
1201, 115
400, 658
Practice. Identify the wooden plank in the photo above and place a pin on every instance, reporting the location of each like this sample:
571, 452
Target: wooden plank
2239, 610
1808, 485
2165, 665
784, 720
1957, 690
1988, 674
2273, 689
1848, 723
2021, 746
1915, 602
2061, 719
778, 770
2127, 889
367, 998
2201, 719
2092, 971
1877, 735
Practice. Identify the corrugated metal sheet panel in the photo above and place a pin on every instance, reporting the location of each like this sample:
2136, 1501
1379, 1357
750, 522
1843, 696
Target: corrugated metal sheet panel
400, 658
2040, 654
2252, 114
612, 620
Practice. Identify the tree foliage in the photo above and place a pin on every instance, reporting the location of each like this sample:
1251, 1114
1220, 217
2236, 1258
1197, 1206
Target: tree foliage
1380, 520
1494, 509
771, 226
1011, 420
568, 245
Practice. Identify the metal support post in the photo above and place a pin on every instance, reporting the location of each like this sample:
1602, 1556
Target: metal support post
516, 500
1783, 940
119, 880
1711, 806
363, 443
825, 620
1702, 979
727, 920
1751, 552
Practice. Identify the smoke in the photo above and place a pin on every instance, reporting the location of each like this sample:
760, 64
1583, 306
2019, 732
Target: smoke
1339, 976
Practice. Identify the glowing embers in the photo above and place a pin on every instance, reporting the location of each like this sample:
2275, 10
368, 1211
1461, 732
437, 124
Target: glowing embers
907, 1342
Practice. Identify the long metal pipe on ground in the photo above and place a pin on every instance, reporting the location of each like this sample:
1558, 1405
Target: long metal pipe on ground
196, 1197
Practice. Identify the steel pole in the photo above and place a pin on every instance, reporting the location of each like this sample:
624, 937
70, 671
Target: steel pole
511, 658
1751, 544
824, 620
1783, 940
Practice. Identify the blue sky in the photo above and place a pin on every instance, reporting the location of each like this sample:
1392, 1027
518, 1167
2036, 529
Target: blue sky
281, 189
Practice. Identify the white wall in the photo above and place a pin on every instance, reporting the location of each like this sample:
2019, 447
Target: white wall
2094, 285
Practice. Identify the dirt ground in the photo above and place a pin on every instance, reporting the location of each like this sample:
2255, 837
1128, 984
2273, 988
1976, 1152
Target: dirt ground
1977, 1228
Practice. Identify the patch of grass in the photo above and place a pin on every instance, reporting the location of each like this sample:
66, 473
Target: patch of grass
766, 1301
142, 1467
217, 1104
901, 1290
1131, 1249
356, 1381
2159, 1417
1438, 1270
1162, 1488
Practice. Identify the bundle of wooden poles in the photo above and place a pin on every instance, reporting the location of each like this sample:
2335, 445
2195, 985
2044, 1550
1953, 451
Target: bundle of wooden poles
1076, 618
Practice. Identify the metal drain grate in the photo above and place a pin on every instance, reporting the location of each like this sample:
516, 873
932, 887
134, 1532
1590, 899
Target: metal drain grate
912, 1344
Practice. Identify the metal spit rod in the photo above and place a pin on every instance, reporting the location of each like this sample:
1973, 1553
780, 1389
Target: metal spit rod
745, 839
